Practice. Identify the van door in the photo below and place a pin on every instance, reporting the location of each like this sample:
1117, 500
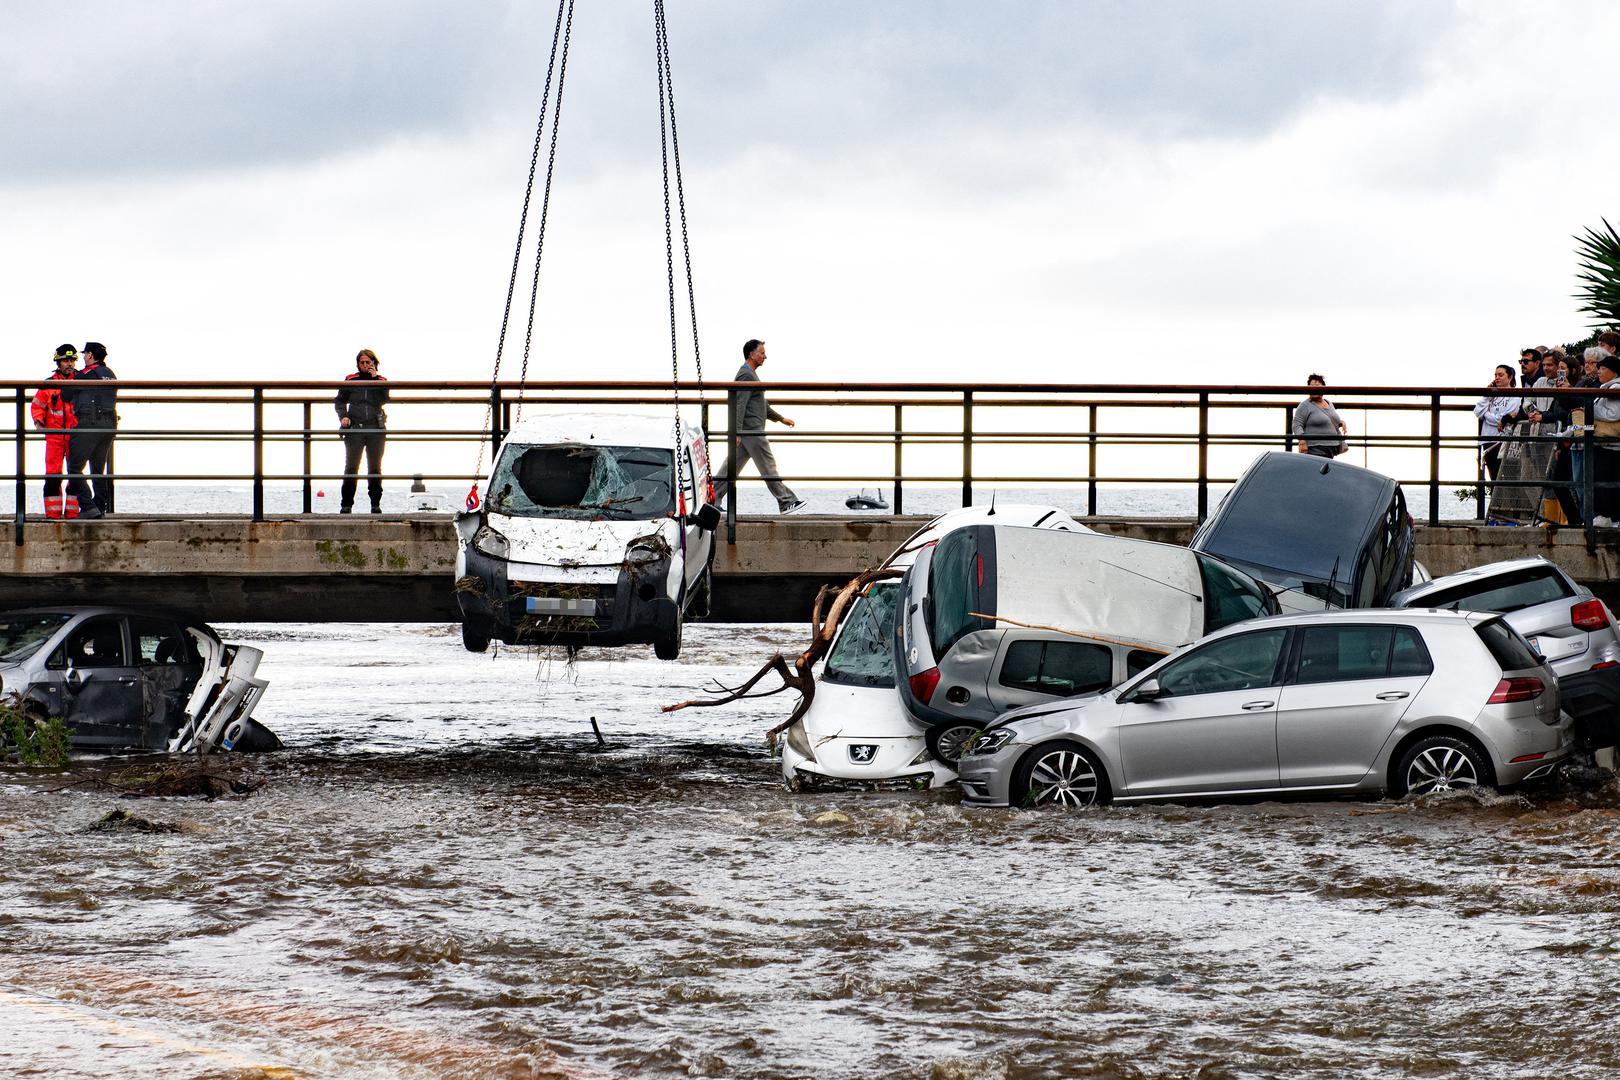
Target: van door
101, 688
1034, 666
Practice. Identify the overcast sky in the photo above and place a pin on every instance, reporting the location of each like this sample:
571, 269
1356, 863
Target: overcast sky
930, 189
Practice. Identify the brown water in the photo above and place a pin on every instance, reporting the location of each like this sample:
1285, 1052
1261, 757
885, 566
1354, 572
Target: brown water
411, 904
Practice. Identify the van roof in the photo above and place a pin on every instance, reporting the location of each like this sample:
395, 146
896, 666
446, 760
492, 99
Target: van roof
601, 429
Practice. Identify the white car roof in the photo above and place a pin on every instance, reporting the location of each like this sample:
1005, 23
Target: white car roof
601, 428
1027, 515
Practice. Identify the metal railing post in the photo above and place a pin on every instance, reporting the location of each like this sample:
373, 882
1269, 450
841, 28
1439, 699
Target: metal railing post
1288, 428
22, 462
1091, 467
967, 448
258, 454
496, 414
731, 467
1588, 488
1203, 456
899, 484
309, 495
1434, 459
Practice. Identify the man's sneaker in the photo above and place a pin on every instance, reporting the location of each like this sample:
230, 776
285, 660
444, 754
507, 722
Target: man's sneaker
795, 506
91, 512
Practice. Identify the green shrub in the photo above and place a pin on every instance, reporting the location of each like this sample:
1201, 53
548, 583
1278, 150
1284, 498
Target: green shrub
31, 739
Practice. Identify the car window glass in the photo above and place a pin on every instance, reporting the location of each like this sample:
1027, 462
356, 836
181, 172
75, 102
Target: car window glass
1501, 593
1410, 656
159, 641
1341, 653
1366, 580
97, 642
1060, 668
1229, 596
950, 588
22, 635
864, 652
1235, 663
1508, 649
1139, 660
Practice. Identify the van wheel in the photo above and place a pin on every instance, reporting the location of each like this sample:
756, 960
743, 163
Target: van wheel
667, 646
947, 741
1061, 773
1439, 763
473, 640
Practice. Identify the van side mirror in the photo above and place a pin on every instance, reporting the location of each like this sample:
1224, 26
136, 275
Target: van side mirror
708, 517
1147, 690
74, 680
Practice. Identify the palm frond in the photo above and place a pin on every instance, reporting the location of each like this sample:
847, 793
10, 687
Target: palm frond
1599, 269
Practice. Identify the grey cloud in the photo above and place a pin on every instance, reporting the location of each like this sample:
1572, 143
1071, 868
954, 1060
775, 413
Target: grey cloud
178, 86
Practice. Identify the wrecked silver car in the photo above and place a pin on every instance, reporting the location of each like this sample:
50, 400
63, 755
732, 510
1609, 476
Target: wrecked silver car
132, 680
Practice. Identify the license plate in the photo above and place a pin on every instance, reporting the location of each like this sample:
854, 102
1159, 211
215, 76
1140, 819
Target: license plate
556, 605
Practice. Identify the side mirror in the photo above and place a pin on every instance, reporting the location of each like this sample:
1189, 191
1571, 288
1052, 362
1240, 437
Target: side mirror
74, 679
1148, 690
708, 517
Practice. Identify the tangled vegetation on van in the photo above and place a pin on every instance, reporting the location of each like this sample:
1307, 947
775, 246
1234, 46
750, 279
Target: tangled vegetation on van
829, 609
29, 738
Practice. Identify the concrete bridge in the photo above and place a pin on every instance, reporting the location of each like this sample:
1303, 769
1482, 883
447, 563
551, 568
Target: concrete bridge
399, 568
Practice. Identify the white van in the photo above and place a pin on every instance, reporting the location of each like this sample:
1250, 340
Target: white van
596, 529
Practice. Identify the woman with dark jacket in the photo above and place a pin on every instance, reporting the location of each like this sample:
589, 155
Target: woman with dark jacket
360, 414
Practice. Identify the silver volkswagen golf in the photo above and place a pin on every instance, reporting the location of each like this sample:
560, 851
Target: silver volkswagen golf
1360, 701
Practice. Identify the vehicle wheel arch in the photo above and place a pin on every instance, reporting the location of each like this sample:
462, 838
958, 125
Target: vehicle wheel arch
1450, 729
1026, 761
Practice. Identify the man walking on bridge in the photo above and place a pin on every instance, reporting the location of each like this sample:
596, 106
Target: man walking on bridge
752, 412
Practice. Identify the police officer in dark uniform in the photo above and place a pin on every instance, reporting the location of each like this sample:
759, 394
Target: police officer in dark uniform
91, 442
360, 414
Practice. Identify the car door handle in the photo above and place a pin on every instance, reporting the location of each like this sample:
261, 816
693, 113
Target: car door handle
1253, 705
1393, 695
127, 680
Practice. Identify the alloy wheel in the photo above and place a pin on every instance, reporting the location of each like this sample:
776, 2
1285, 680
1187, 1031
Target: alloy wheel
1440, 768
1063, 778
951, 740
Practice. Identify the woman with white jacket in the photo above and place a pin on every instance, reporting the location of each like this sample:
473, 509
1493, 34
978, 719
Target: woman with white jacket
1493, 411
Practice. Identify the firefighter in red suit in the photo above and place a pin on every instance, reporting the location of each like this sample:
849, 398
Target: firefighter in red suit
53, 414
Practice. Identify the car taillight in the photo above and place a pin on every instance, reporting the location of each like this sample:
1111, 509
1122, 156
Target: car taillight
979, 561
1605, 663
1522, 689
1589, 615
924, 683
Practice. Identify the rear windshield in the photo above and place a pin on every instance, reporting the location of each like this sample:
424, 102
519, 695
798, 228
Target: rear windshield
951, 589
863, 655
1502, 593
22, 635
1231, 596
1507, 647
573, 480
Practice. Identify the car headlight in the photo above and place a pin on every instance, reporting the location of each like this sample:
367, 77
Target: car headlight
491, 543
988, 742
641, 556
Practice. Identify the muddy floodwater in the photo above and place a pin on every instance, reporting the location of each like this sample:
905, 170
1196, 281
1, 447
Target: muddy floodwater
446, 876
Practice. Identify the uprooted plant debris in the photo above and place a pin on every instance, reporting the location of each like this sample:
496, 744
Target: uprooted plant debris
124, 821
204, 779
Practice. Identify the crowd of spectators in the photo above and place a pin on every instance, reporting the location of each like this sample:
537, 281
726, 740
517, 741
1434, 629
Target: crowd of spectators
1511, 403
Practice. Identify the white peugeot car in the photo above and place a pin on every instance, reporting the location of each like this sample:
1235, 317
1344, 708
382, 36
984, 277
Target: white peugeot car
856, 732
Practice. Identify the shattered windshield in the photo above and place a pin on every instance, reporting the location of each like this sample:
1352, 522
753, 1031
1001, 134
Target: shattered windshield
863, 655
22, 635
573, 480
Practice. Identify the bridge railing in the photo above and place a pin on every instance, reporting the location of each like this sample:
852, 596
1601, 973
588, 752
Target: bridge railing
268, 436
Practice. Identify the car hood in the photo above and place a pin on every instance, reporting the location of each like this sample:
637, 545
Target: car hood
1045, 708
567, 543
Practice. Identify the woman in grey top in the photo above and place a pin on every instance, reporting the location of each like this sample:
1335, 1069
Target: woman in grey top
1317, 427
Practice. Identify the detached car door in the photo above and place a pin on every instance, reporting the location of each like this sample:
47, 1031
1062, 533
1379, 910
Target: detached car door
1215, 727
1351, 686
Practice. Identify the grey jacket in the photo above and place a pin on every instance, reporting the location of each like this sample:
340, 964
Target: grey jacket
1317, 425
752, 408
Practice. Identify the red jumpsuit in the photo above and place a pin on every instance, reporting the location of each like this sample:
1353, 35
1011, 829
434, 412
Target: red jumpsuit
52, 414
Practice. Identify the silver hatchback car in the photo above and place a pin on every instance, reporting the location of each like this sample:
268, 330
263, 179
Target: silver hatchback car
1359, 701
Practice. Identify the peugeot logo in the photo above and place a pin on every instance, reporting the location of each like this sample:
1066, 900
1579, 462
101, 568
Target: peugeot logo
862, 753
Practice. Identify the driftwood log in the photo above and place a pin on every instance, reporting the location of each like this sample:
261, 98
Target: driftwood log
830, 608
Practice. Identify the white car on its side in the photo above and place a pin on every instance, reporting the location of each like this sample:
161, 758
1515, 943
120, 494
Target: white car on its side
857, 734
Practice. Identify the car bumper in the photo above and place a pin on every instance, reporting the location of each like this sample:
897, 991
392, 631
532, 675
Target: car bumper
832, 764
986, 779
628, 610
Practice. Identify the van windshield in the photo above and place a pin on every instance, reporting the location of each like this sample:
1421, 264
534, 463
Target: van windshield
574, 480
863, 655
